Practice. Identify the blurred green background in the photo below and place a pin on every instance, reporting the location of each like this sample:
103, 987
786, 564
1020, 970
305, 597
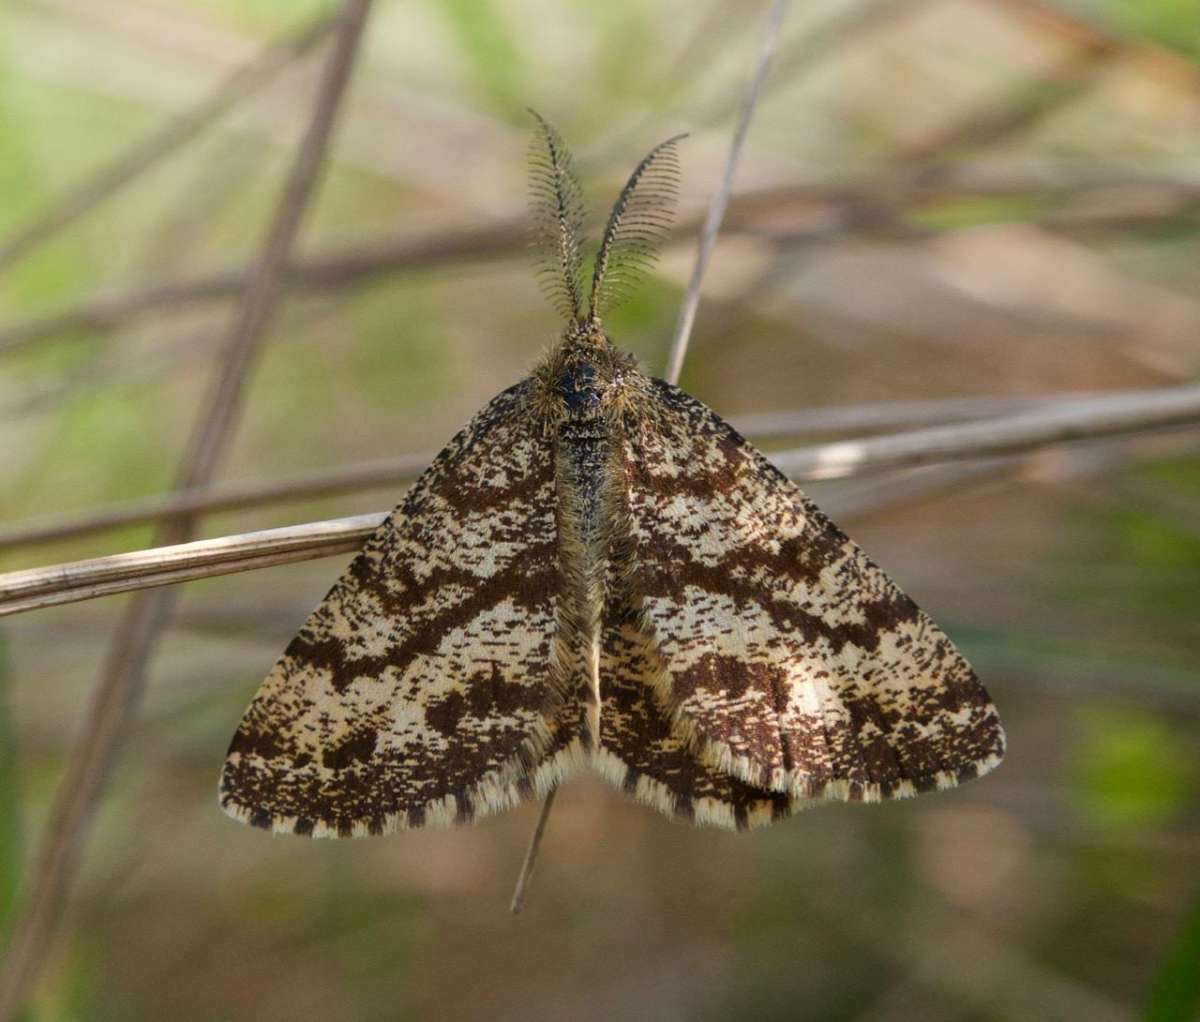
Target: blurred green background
1064, 886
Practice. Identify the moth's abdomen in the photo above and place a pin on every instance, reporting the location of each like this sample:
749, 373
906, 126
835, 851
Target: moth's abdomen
584, 449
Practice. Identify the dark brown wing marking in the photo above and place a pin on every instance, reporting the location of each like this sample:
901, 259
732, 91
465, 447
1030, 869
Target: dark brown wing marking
415, 692
789, 659
643, 755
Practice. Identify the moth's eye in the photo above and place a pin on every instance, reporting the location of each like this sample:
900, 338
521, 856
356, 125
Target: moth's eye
577, 385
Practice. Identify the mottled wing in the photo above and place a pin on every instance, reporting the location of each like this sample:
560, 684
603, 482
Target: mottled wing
641, 753
415, 692
788, 658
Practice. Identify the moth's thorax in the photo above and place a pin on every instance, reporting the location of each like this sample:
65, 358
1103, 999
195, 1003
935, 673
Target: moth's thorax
584, 383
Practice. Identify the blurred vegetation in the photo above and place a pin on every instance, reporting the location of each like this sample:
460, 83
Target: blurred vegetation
1171, 22
1062, 887
10, 803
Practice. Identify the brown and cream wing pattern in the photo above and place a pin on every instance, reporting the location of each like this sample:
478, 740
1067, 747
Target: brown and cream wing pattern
644, 755
787, 657
415, 692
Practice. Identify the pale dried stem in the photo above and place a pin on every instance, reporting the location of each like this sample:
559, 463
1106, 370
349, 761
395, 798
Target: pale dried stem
148, 152
103, 576
1076, 420
1125, 414
121, 680
365, 475
720, 198
368, 475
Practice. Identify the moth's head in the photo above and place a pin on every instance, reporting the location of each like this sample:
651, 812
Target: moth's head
585, 334
585, 376
633, 234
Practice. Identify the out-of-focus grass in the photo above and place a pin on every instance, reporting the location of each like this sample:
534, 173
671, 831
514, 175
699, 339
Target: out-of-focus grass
76, 997
10, 794
1182, 474
1137, 561
842, 975
1131, 769
1175, 993
1174, 23
970, 212
1086, 668
485, 36
262, 17
103, 436
25, 189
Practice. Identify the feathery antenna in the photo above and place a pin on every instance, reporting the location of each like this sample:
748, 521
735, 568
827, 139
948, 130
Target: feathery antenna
557, 215
637, 225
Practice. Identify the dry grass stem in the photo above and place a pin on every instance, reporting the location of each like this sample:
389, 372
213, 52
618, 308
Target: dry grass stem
720, 199
1091, 418
182, 562
367, 475
535, 844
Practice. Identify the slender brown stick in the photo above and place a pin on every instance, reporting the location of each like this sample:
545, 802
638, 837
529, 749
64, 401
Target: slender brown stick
130, 165
332, 270
720, 198
535, 843
122, 678
1126, 414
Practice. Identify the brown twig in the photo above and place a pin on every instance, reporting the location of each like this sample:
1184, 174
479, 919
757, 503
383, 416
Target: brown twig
127, 167
895, 189
122, 677
535, 842
330, 271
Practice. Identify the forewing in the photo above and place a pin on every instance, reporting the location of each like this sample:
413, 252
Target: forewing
788, 658
416, 691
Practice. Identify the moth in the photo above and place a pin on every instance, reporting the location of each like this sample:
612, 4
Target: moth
598, 572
